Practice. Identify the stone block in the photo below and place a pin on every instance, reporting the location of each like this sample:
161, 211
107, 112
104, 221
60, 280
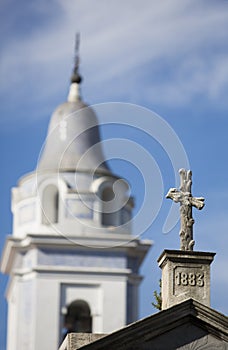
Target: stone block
185, 274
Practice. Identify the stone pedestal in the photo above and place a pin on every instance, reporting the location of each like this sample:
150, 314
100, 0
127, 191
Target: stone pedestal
185, 274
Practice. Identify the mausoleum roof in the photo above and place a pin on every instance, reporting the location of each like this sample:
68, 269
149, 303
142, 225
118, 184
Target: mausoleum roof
188, 325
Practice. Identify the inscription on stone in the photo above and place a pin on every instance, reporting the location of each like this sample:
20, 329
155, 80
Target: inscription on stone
188, 277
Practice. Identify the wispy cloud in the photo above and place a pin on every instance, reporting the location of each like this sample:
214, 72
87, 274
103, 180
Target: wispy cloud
119, 39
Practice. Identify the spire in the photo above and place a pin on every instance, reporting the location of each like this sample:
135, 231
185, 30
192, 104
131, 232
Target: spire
76, 78
74, 94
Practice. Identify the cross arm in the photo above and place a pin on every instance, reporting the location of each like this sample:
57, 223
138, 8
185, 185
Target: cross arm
174, 194
197, 202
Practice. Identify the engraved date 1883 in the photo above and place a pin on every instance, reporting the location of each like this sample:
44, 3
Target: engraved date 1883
189, 279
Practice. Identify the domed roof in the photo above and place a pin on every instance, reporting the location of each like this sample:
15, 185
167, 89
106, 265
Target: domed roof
73, 141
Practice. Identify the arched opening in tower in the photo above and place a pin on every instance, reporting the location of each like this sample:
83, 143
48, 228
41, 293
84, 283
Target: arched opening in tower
109, 215
78, 318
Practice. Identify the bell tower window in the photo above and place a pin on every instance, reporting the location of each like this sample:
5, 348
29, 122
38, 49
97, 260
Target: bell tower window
78, 318
109, 215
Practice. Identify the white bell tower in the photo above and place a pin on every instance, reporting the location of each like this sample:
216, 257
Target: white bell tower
72, 261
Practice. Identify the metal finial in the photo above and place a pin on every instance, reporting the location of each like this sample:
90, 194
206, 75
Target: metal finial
76, 78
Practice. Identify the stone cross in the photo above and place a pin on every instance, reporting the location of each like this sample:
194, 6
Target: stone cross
187, 201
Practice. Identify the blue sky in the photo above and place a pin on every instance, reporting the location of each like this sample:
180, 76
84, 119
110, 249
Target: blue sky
170, 57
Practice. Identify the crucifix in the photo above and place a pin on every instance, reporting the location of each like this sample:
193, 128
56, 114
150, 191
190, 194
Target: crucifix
187, 201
